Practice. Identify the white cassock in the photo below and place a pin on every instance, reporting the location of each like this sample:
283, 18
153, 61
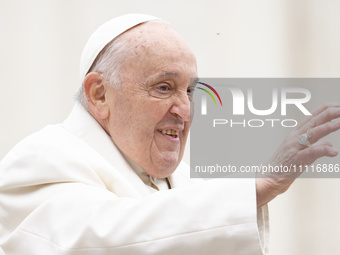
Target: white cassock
67, 189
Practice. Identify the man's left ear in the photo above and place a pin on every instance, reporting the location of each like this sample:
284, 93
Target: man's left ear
95, 91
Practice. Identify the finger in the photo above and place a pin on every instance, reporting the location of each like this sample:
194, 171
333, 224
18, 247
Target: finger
324, 142
319, 110
316, 133
324, 106
310, 154
319, 143
320, 117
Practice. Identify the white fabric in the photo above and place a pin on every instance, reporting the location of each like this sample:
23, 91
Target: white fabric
68, 190
105, 34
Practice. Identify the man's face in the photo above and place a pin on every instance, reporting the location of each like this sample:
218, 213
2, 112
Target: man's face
150, 113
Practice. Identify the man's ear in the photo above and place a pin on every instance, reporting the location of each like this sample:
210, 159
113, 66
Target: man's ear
95, 91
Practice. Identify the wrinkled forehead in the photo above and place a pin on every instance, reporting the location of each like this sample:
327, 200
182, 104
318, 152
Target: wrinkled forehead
154, 33
155, 37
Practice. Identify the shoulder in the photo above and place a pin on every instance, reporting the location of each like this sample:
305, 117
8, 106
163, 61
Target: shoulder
52, 154
51, 140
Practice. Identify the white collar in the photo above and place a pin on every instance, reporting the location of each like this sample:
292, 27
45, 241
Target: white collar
81, 123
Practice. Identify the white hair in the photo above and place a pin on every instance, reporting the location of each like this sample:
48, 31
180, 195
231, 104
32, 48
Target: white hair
109, 62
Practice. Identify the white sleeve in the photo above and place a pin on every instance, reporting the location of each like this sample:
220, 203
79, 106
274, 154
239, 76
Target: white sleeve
213, 217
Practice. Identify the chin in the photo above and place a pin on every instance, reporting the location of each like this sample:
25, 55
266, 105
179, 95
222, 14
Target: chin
164, 165
164, 170
162, 173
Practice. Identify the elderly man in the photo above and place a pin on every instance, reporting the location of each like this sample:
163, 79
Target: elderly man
109, 180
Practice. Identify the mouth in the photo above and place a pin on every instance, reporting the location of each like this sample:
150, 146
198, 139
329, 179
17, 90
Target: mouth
169, 132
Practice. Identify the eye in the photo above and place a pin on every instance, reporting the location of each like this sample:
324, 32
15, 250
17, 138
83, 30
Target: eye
190, 92
163, 88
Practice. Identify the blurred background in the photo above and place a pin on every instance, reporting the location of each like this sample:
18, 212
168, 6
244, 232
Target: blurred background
42, 40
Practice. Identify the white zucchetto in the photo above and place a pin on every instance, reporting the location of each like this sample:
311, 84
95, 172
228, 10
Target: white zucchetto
105, 34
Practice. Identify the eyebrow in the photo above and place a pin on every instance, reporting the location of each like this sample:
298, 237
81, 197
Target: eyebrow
193, 81
168, 74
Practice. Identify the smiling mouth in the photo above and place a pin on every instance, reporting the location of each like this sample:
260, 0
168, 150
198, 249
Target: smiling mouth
169, 132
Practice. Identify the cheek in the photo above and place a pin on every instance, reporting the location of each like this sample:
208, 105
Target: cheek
140, 119
137, 116
151, 111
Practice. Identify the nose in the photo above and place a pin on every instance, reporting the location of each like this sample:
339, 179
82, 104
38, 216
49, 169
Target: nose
181, 107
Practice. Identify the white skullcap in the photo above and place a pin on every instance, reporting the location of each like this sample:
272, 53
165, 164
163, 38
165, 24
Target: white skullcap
105, 34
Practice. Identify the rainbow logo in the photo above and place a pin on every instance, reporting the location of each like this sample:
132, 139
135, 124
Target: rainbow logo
209, 93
